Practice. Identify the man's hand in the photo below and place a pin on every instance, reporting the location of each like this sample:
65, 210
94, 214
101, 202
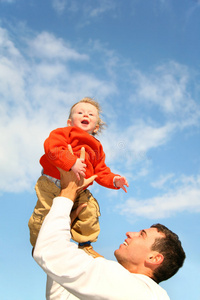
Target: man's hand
74, 213
120, 181
70, 185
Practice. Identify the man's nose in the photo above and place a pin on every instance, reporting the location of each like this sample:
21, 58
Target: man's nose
131, 234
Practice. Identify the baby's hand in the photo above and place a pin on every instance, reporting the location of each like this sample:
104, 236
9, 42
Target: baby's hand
79, 168
120, 181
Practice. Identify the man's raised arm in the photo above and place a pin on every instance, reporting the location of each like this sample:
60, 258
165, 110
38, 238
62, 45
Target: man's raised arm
55, 231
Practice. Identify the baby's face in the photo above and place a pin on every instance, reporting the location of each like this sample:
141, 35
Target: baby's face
84, 116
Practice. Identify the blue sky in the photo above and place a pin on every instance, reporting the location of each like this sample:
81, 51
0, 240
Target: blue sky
140, 60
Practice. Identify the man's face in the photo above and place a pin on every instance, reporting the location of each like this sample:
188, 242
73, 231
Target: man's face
136, 249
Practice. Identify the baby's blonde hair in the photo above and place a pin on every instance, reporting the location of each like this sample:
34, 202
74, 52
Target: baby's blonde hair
89, 100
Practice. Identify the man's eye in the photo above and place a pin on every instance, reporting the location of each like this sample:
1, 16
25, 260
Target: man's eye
143, 233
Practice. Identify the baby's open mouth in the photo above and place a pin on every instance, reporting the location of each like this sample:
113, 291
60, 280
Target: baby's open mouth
85, 122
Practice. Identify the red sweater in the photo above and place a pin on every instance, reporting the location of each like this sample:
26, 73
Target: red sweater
58, 155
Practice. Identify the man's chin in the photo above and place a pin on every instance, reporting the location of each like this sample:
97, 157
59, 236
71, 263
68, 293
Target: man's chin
116, 254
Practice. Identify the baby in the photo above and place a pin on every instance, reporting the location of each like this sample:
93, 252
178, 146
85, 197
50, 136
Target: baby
83, 124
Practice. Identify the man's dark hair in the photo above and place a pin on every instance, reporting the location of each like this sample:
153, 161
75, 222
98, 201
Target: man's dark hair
170, 247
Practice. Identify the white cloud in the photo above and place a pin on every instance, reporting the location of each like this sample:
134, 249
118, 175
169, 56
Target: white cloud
162, 181
89, 9
21, 146
8, 1
185, 198
47, 46
194, 6
132, 145
102, 7
145, 136
59, 5
6, 45
167, 89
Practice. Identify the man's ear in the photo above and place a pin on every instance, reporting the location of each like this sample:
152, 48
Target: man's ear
69, 122
96, 129
155, 258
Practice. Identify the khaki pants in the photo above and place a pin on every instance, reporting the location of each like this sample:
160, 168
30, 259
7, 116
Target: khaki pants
85, 228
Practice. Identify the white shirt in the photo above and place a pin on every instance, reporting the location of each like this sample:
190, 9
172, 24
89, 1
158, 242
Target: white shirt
85, 277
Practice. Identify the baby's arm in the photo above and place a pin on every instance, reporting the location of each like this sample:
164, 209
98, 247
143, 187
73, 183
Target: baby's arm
120, 181
105, 175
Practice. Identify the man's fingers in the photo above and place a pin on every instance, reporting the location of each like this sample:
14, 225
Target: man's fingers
80, 208
74, 214
82, 156
90, 180
62, 172
78, 176
70, 149
85, 182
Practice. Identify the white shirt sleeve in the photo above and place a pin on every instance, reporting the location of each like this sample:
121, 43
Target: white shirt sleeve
82, 275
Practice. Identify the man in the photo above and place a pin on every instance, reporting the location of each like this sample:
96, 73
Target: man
144, 259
